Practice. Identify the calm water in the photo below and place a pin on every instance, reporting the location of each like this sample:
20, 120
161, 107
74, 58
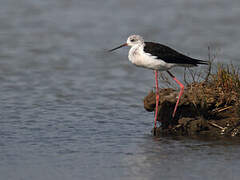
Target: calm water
71, 111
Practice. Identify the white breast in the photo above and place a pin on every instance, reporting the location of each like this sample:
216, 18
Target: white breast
138, 57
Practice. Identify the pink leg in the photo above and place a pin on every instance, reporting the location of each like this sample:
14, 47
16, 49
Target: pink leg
180, 93
157, 99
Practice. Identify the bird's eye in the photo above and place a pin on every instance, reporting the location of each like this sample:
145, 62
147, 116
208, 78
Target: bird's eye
132, 40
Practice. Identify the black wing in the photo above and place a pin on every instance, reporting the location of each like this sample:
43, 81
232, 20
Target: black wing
170, 55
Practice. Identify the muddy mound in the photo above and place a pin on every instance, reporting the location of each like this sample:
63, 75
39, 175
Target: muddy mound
206, 108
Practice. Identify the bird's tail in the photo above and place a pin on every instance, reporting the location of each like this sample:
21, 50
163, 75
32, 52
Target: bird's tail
202, 62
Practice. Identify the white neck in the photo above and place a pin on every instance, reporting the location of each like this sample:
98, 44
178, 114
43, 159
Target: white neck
134, 51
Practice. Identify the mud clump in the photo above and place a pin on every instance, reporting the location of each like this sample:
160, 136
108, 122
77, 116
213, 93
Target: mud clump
209, 108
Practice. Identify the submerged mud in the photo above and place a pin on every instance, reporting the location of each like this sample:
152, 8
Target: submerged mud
202, 110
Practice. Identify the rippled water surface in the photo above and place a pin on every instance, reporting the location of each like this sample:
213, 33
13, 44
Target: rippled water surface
69, 110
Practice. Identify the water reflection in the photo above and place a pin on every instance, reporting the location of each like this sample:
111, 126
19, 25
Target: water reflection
184, 158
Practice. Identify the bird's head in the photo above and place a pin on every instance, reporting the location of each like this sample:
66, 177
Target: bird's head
131, 41
134, 40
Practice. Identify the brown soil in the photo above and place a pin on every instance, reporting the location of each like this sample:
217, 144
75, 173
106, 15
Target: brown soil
202, 111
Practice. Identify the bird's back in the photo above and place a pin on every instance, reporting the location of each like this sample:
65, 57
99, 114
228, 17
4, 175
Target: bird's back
170, 55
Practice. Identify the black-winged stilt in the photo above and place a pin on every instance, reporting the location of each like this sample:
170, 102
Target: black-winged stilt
159, 58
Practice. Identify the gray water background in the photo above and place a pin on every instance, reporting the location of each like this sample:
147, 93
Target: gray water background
69, 110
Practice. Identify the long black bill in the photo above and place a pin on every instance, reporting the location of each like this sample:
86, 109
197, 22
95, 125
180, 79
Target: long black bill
118, 47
